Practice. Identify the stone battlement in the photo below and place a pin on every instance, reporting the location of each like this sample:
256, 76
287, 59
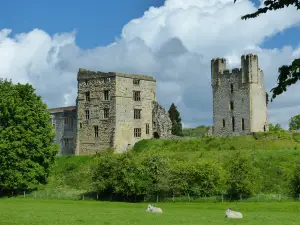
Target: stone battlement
239, 97
85, 73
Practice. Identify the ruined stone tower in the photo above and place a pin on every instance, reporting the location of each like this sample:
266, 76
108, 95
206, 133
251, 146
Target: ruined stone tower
113, 110
239, 97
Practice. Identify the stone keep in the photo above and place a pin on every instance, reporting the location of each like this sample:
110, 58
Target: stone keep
113, 110
239, 97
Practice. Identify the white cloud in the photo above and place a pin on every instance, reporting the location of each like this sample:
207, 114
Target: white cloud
174, 43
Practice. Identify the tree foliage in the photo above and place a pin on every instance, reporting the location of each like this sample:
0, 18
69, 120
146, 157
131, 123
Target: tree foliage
295, 182
176, 120
243, 178
26, 137
294, 123
277, 127
288, 74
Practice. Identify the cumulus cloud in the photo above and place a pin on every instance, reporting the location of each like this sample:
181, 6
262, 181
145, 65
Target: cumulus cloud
174, 43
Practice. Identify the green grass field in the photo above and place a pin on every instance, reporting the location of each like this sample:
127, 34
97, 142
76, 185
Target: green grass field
62, 212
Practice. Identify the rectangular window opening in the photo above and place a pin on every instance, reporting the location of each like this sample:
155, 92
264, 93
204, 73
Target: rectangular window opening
80, 125
137, 132
147, 128
233, 124
137, 113
243, 124
106, 95
106, 113
136, 95
136, 81
223, 123
231, 88
231, 105
87, 114
96, 130
87, 96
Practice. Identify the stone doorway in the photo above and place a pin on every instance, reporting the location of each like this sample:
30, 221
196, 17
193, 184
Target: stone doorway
156, 135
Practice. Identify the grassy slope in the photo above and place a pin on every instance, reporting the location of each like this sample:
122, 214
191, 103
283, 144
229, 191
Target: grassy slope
60, 212
199, 131
274, 155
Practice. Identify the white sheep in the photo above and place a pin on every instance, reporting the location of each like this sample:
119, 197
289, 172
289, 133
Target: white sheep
153, 209
232, 214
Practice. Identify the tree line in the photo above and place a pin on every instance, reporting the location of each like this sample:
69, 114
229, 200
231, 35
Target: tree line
136, 177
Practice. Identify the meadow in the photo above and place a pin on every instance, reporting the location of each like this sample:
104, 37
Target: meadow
15, 211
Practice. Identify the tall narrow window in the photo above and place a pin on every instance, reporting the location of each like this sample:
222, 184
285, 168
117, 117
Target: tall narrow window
233, 124
223, 123
87, 96
231, 105
243, 124
86, 82
147, 128
53, 123
136, 95
96, 130
66, 140
106, 113
106, 95
137, 113
231, 88
137, 132
80, 125
87, 114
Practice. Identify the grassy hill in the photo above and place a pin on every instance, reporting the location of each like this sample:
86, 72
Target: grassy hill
274, 153
199, 131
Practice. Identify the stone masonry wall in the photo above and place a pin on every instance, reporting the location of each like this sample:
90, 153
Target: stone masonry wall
125, 105
63, 121
162, 124
95, 83
243, 89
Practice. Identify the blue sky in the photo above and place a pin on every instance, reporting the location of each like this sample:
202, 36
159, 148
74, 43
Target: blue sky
97, 22
175, 45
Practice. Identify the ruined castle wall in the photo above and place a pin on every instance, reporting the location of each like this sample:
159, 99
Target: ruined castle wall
95, 83
239, 97
259, 108
229, 121
125, 105
64, 124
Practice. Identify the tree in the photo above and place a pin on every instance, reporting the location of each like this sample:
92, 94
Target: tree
176, 120
295, 123
288, 74
243, 177
275, 128
27, 149
295, 181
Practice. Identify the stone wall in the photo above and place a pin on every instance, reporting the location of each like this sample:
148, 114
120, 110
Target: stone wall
162, 125
117, 130
96, 83
239, 97
63, 120
125, 106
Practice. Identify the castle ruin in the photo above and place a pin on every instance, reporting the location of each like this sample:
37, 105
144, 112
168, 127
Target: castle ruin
239, 97
113, 110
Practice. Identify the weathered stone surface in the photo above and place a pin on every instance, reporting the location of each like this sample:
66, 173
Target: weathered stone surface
63, 120
243, 89
117, 130
162, 125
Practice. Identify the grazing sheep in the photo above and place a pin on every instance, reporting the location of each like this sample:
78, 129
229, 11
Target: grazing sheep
154, 209
232, 214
